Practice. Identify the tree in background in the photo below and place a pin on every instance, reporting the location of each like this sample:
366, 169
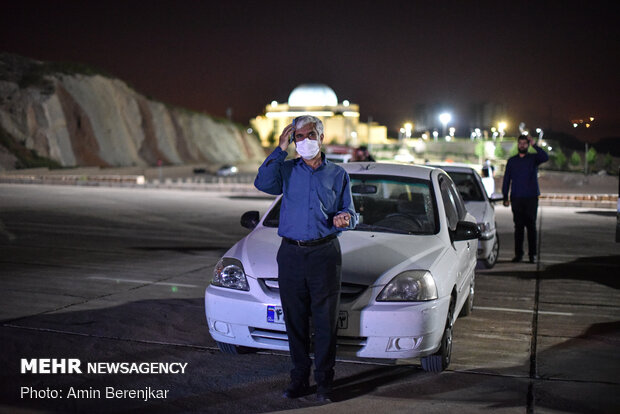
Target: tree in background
607, 162
559, 159
591, 156
575, 159
499, 152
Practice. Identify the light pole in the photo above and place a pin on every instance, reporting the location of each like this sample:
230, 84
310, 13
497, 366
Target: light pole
588, 125
502, 129
445, 118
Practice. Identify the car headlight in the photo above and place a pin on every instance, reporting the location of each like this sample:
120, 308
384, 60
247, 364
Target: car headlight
409, 286
229, 273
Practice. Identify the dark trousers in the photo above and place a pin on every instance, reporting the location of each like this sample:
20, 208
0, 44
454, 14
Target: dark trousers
309, 280
524, 210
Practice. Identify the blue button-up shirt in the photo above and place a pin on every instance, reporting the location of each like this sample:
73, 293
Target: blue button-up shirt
523, 172
311, 198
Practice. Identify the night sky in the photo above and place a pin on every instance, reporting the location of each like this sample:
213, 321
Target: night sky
548, 62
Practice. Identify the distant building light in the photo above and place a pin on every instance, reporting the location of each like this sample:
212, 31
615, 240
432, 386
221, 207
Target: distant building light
575, 124
274, 103
250, 130
425, 136
345, 102
352, 114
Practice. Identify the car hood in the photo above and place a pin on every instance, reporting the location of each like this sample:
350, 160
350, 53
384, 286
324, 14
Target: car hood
366, 256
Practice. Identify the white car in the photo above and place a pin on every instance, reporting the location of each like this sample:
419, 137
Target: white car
480, 205
339, 158
408, 271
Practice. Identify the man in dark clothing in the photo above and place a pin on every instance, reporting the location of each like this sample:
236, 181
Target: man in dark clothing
522, 172
316, 206
362, 154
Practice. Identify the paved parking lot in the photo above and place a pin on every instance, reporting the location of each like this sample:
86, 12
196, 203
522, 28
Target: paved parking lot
118, 275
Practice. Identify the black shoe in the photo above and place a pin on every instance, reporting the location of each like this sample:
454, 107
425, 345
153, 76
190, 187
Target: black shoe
517, 259
296, 389
324, 394
533, 258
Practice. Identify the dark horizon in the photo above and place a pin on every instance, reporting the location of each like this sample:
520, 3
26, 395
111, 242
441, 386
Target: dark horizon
546, 62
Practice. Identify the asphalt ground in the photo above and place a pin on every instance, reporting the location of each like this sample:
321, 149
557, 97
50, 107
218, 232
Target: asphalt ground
118, 275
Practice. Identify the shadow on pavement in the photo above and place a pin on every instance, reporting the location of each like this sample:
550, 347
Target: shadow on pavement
600, 269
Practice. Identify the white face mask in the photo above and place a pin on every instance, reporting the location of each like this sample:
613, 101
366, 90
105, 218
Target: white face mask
308, 148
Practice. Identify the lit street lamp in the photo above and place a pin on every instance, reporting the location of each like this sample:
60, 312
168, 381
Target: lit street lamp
502, 129
445, 118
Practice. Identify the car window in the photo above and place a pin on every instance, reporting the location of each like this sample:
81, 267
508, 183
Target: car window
468, 186
448, 195
393, 204
386, 204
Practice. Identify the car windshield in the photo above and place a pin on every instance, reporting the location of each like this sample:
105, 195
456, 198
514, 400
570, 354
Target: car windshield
387, 204
468, 186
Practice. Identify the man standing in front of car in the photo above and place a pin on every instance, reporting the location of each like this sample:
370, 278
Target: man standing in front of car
316, 205
522, 171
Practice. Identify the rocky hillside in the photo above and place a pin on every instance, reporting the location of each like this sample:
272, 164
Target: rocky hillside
70, 115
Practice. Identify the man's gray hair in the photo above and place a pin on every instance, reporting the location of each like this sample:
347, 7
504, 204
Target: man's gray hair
309, 119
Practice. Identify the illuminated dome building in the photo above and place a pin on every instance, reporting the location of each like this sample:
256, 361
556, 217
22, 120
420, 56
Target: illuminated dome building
341, 120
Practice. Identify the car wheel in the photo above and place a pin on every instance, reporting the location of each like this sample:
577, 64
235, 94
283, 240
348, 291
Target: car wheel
233, 349
468, 306
490, 261
440, 360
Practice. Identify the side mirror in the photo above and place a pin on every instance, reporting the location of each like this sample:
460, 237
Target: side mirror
465, 230
250, 219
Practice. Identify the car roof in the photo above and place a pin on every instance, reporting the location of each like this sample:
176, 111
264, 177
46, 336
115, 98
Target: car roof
381, 168
463, 168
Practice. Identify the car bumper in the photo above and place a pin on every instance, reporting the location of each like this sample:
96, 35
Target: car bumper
378, 330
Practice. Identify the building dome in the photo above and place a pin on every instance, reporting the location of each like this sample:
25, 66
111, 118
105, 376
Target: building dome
313, 94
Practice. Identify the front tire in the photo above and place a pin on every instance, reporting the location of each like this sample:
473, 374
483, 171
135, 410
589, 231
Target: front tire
440, 360
490, 261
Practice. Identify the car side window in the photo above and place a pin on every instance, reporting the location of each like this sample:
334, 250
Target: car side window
458, 200
449, 201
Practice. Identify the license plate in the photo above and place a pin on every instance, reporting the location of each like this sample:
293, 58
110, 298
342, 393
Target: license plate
275, 314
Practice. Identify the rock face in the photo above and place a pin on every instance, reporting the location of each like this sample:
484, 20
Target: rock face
94, 120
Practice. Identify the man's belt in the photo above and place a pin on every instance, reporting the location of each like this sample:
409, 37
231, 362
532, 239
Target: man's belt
314, 242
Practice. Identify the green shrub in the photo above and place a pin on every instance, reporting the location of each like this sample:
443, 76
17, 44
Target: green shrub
559, 159
499, 152
575, 159
591, 156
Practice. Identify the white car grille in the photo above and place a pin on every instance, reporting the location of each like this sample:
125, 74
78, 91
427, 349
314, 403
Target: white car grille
347, 290
346, 344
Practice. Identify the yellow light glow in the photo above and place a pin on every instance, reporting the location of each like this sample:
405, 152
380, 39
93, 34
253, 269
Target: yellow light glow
502, 125
591, 119
274, 103
351, 114
587, 125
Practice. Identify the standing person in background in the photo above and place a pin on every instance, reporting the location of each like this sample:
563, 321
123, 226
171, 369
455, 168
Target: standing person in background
521, 178
316, 206
362, 154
